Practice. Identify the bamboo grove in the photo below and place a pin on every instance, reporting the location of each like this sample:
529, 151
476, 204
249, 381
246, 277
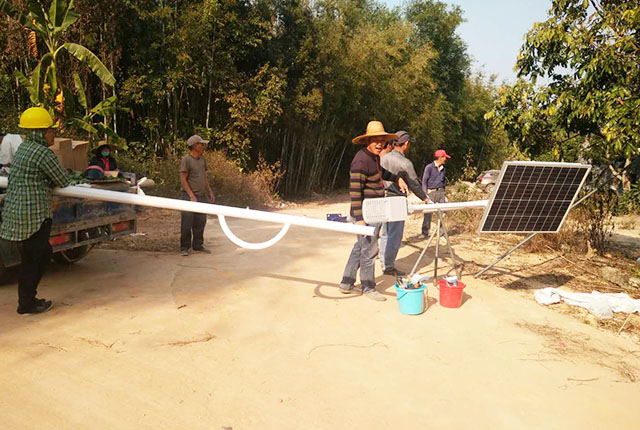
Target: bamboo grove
289, 80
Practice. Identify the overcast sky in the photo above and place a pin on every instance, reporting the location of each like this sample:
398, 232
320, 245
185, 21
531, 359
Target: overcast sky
495, 30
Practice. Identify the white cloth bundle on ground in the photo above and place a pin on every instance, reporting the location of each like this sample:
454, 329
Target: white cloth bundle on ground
599, 304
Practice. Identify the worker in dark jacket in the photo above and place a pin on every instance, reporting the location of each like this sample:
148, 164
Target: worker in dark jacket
366, 177
433, 183
103, 158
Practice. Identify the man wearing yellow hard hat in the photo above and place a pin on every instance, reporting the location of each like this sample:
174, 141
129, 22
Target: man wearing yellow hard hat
26, 215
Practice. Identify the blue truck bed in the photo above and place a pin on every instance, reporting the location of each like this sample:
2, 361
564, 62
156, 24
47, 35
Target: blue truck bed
78, 224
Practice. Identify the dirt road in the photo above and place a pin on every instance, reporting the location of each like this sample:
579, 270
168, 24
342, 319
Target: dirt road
263, 340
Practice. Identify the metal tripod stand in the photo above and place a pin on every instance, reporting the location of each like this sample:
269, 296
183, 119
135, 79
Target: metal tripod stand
441, 228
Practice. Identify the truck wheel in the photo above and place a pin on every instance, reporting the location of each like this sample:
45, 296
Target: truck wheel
70, 256
490, 188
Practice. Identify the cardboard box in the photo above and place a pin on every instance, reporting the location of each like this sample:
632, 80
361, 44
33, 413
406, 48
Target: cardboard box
79, 149
63, 148
72, 154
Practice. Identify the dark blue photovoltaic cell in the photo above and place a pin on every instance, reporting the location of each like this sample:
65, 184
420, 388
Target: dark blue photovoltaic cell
533, 198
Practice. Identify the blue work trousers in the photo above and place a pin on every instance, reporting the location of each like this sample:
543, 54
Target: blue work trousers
390, 241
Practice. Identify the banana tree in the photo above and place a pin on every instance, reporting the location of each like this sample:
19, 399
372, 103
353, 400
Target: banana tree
90, 120
48, 27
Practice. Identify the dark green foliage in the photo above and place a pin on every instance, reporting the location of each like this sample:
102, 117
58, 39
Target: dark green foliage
589, 111
590, 53
629, 202
292, 80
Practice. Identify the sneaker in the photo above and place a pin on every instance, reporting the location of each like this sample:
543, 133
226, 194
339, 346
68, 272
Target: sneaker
394, 272
348, 289
204, 250
184, 252
375, 295
37, 308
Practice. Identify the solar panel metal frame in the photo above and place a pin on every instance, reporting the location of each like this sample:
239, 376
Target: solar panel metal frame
507, 164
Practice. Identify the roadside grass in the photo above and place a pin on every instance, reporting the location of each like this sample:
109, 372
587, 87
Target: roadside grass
229, 183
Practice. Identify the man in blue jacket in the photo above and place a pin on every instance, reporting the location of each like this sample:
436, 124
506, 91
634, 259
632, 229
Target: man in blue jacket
433, 184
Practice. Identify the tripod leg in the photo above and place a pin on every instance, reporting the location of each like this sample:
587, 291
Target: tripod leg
422, 254
435, 260
456, 266
503, 256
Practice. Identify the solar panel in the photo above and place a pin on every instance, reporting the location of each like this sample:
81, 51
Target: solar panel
533, 197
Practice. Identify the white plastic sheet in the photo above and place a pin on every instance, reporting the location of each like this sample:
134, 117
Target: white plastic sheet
602, 305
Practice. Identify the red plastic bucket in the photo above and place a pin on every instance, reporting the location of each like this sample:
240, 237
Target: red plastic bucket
450, 295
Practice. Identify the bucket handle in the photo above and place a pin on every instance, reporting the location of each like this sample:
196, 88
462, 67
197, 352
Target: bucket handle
405, 292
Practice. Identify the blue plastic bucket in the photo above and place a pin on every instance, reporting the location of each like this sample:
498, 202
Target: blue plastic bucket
411, 302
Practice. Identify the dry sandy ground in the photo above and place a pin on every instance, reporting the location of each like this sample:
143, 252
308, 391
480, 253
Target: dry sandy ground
263, 340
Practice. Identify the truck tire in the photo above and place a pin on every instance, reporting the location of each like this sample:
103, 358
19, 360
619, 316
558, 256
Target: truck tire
70, 256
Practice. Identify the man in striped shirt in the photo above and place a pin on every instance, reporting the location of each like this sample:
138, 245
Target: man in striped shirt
366, 177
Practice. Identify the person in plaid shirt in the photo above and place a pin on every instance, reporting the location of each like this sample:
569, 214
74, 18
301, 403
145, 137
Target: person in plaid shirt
26, 214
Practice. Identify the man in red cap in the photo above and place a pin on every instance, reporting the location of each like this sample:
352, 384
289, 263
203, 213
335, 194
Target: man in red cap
433, 183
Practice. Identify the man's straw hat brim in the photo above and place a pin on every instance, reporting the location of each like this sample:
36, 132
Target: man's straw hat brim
374, 129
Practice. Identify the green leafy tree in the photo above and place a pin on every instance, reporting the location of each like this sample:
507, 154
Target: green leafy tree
91, 121
47, 29
436, 24
291, 80
486, 143
590, 52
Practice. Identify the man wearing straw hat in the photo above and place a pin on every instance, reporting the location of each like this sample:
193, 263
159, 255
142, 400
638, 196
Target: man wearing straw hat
366, 177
